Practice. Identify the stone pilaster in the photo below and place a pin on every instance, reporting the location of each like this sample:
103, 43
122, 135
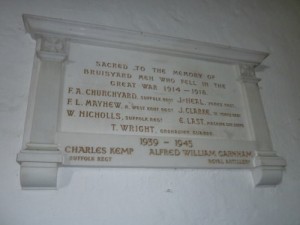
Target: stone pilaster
40, 157
267, 165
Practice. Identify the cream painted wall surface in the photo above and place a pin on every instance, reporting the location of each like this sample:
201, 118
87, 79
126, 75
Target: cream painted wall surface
154, 196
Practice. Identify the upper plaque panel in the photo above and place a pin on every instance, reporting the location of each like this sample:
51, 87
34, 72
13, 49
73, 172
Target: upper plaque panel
123, 92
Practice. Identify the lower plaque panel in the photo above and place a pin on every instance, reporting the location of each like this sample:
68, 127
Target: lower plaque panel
145, 151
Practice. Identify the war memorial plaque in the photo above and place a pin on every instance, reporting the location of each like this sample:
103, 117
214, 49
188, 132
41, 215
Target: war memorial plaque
151, 110
107, 97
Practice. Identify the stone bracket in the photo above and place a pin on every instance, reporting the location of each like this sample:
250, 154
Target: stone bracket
39, 168
268, 169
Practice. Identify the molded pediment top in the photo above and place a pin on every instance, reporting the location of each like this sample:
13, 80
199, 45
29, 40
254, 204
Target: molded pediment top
39, 26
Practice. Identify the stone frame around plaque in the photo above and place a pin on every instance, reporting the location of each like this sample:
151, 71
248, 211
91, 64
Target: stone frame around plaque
40, 156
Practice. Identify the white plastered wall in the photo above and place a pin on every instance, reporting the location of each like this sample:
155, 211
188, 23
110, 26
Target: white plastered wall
153, 196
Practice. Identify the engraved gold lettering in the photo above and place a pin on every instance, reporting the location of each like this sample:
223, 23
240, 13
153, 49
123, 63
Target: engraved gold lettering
199, 92
112, 94
170, 131
187, 74
235, 154
230, 114
85, 149
81, 158
138, 107
199, 111
184, 143
104, 104
136, 118
149, 141
105, 159
99, 115
154, 109
216, 123
228, 105
151, 98
166, 109
122, 84
216, 161
199, 153
195, 101
210, 76
70, 112
167, 80
112, 65
220, 86
140, 68
137, 128
205, 84
146, 78
120, 151
105, 73
159, 70
149, 86
69, 101
237, 161
219, 104
191, 120
164, 152
171, 89
202, 133
188, 82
